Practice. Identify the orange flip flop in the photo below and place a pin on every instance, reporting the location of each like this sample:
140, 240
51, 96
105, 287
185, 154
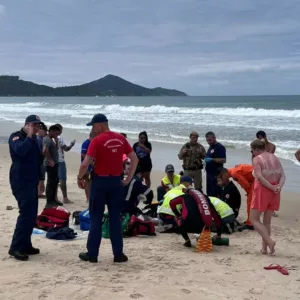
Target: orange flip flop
279, 268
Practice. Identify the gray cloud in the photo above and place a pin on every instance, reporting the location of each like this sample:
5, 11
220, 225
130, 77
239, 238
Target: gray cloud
2, 11
201, 47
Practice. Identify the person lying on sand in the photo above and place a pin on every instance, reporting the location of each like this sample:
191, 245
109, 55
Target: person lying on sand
196, 212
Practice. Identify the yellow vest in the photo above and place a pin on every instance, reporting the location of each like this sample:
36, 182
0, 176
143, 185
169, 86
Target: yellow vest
176, 181
223, 209
168, 197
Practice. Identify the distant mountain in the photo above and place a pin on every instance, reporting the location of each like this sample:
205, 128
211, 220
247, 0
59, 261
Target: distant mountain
109, 85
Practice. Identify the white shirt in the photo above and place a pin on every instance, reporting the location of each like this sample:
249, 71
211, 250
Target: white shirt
61, 143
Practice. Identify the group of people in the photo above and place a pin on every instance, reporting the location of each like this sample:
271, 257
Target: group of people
53, 163
116, 175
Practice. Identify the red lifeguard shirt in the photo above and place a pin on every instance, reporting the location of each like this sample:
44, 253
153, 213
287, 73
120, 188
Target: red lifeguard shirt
107, 149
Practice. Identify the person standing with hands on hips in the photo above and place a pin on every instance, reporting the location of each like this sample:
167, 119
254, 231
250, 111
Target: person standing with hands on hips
24, 177
106, 150
215, 159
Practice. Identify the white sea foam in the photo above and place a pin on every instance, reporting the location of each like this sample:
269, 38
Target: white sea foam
171, 124
157, 109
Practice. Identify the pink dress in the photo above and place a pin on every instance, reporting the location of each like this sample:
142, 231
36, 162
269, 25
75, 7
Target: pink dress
264, 199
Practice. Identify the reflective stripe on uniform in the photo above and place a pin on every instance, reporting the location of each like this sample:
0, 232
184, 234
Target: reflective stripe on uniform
130, 189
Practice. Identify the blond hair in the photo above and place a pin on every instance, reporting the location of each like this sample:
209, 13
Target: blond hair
258, 145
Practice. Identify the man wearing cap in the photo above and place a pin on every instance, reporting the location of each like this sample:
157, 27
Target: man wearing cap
192, 154
106, 150
170, 181
25, 173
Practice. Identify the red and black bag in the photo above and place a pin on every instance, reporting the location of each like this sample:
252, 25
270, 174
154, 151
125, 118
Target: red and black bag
54, 217
137, 226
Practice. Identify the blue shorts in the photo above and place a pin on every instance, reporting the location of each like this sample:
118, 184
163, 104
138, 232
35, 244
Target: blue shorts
62, 171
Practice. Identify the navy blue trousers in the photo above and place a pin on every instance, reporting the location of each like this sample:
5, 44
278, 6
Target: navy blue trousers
106, 190
212, 188
27, 198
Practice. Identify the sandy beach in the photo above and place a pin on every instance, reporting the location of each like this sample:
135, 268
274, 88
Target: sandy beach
158, 268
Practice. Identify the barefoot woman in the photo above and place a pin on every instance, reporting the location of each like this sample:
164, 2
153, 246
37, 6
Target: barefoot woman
269, 180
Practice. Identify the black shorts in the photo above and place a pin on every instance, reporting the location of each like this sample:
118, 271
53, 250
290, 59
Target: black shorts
145, 168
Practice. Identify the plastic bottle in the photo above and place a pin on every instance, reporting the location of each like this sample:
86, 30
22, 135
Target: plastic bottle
38, 231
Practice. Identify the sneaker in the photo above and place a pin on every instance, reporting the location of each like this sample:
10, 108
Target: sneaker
32, 251
85, 257
121, 259
18, 255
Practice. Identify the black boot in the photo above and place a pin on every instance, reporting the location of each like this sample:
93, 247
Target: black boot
32, 251
187, 244
85, 257
18, 255
123, 258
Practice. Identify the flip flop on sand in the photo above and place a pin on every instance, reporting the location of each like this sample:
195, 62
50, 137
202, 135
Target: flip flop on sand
279, 268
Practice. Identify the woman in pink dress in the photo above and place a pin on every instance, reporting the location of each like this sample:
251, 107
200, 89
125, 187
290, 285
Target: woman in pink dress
269, 180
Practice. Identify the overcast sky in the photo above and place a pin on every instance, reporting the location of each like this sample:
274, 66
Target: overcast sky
202, 47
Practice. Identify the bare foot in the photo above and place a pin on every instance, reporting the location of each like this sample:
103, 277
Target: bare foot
272, 247
68, 201
264, 251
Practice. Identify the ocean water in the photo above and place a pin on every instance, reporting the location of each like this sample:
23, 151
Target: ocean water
235, 120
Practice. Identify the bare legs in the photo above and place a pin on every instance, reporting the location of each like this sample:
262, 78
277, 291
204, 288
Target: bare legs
63, 187
264, 229
87, 189
146, 175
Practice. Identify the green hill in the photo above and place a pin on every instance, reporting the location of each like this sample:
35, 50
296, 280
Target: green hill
109, 85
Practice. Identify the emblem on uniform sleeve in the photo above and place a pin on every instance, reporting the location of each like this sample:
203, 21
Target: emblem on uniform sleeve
227, 196
15, 138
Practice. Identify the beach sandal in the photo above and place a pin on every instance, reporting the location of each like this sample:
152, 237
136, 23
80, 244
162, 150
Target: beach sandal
279, 268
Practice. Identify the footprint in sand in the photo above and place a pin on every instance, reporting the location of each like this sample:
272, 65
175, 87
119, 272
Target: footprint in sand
136, 296
186, 291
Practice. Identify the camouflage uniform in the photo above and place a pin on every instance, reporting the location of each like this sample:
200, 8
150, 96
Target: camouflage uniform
192, 162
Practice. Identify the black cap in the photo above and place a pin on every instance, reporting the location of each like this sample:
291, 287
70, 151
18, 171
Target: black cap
169, 168
186, 179
33, 119
98, 118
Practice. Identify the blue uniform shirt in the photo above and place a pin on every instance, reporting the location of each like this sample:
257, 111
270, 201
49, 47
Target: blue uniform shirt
215, 151
26, 158
132, 191
84, 149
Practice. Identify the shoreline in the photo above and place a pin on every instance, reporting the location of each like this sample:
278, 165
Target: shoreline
166, 153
